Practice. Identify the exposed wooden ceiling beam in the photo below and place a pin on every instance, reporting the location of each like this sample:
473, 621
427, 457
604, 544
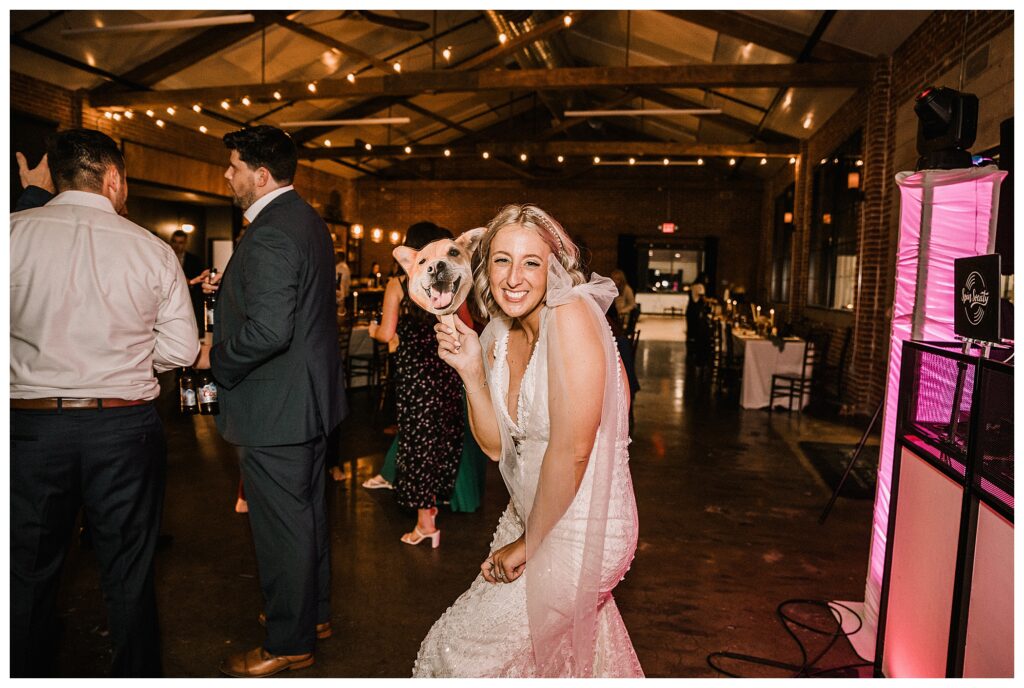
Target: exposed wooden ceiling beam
817, 75
324, 39
738, 125
521, 41
566, 148
765, 34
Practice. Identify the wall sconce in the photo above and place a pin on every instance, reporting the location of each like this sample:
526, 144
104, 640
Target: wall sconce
188, 229
395, 236
357, 231
853, 180
787, 218
376, 234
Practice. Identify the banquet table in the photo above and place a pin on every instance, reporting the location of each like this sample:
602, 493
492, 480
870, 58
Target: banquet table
762, 359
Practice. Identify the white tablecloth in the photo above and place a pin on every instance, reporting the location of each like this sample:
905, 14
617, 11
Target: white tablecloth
761, 360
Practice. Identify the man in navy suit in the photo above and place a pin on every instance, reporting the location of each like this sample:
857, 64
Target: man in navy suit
275, 359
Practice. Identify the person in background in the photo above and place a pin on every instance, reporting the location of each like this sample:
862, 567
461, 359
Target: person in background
97, 303
192, 265
429, 399
698, 333
625, 302
281, 389
374, 275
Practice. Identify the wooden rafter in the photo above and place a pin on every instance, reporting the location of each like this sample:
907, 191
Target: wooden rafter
566, 148
765, 34
738, 125
548, 28
817, 75
330, 42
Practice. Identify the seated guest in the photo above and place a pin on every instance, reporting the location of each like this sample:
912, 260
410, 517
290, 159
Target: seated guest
625, 302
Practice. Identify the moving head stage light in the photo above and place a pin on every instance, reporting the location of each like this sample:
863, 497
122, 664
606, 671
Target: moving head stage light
947, 126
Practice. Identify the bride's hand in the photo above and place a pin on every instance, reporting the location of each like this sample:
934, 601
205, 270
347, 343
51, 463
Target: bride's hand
506, 564
460, 349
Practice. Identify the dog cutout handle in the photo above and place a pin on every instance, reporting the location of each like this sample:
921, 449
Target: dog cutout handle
449, 320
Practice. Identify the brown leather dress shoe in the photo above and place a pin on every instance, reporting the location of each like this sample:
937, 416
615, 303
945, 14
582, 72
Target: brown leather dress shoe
258, 663
323, 630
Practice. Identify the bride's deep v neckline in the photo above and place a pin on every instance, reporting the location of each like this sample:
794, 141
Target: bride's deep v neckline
517, 423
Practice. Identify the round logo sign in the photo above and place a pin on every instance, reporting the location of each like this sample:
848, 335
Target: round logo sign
974, 297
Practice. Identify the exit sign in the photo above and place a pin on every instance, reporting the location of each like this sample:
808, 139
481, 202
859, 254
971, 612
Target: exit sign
668, 227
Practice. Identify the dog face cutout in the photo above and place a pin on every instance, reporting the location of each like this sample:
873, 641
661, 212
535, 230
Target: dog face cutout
441, 273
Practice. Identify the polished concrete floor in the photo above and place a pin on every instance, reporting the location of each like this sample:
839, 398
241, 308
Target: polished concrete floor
728, 529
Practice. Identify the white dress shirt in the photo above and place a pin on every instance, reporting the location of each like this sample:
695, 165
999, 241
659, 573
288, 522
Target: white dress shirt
97, 302
253, 211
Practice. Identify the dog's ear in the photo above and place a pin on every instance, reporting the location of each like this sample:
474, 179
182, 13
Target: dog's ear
470, 239
406, 257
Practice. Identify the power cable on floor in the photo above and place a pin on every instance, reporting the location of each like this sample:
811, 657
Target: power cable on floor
807, 667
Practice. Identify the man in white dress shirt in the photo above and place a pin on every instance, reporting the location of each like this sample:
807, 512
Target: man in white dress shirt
97, 303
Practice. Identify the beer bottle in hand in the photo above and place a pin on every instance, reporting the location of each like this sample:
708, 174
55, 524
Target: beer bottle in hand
207, 388
210, 306
187, 392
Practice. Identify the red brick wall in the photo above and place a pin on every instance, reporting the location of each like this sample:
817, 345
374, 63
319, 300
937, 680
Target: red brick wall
930, 52
597, 211
52, 102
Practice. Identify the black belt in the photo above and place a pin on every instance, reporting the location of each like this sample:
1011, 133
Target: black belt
56, 403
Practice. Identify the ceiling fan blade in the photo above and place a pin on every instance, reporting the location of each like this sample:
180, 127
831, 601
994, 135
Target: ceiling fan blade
394, 22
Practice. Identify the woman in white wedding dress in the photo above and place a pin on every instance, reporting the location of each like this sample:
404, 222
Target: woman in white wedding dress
549, 400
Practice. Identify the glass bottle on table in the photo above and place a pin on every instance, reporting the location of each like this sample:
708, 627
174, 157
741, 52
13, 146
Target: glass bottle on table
207, 390
189, 403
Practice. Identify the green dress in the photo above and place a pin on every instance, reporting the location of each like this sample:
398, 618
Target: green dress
471, 475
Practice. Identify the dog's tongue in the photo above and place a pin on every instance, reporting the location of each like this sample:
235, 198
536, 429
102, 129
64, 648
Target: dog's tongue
440, 299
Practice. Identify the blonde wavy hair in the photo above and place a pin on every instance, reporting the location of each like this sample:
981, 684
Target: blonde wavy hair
546, 227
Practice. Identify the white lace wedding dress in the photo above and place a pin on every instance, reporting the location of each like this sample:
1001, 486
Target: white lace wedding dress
486, 633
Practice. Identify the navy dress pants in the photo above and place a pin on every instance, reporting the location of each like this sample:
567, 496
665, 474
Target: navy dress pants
112, 463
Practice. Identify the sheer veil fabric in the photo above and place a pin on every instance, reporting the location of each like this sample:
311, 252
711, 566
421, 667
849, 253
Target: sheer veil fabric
564, 594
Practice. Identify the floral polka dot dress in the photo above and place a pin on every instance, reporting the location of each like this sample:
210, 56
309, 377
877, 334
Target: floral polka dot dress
429, 400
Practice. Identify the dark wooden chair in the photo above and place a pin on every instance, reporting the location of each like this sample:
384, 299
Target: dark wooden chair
631, 320
829, 381
730, 370
790, 386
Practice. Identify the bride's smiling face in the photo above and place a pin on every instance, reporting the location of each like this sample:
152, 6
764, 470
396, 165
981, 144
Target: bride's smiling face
518, 270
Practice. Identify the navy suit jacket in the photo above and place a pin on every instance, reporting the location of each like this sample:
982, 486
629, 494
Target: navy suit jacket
275, 350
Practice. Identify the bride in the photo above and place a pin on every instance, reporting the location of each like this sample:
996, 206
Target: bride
548, 400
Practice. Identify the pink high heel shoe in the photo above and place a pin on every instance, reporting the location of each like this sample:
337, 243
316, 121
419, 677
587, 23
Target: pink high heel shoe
417, 536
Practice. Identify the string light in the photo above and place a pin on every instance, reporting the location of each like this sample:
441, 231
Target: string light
522, 156
732, 161
108, 114
129, 114
203, 129
117, 116
150, 113
160, 123
502, 38
700, 161
408, 149
597, 159
197, 108
368, 146
561, 158
170, 111
792, 161
397, 67
277, 95
447, 54
327, 142
225, 104
311, 86
394, 237
376, 234
859, 163
665, 161
357, 231
245, 101
567, 19
486, 155
351, 78
447, 153
632, 161
764, 161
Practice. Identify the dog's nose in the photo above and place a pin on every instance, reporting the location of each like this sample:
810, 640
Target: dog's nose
441, 266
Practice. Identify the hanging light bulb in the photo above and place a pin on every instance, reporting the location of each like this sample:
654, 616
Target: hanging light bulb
368, 146
447, 153
170, 111
764, 161
351, 78
311, 86
245, 101
203, 129
632, 161
700, 161
357, 231
397, 67
117, 116
108, 114
665, 161
197, 108
522, 156
502, 38
561, 158
376, 234
277, 95
395, 236
327, 142
129, 114
408, 149
567, 19
225, 104
485, 155
447, 54
597, 159
732, 161
160, 123
792, 161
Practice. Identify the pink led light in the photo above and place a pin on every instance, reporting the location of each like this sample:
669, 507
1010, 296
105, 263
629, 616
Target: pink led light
954, 210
